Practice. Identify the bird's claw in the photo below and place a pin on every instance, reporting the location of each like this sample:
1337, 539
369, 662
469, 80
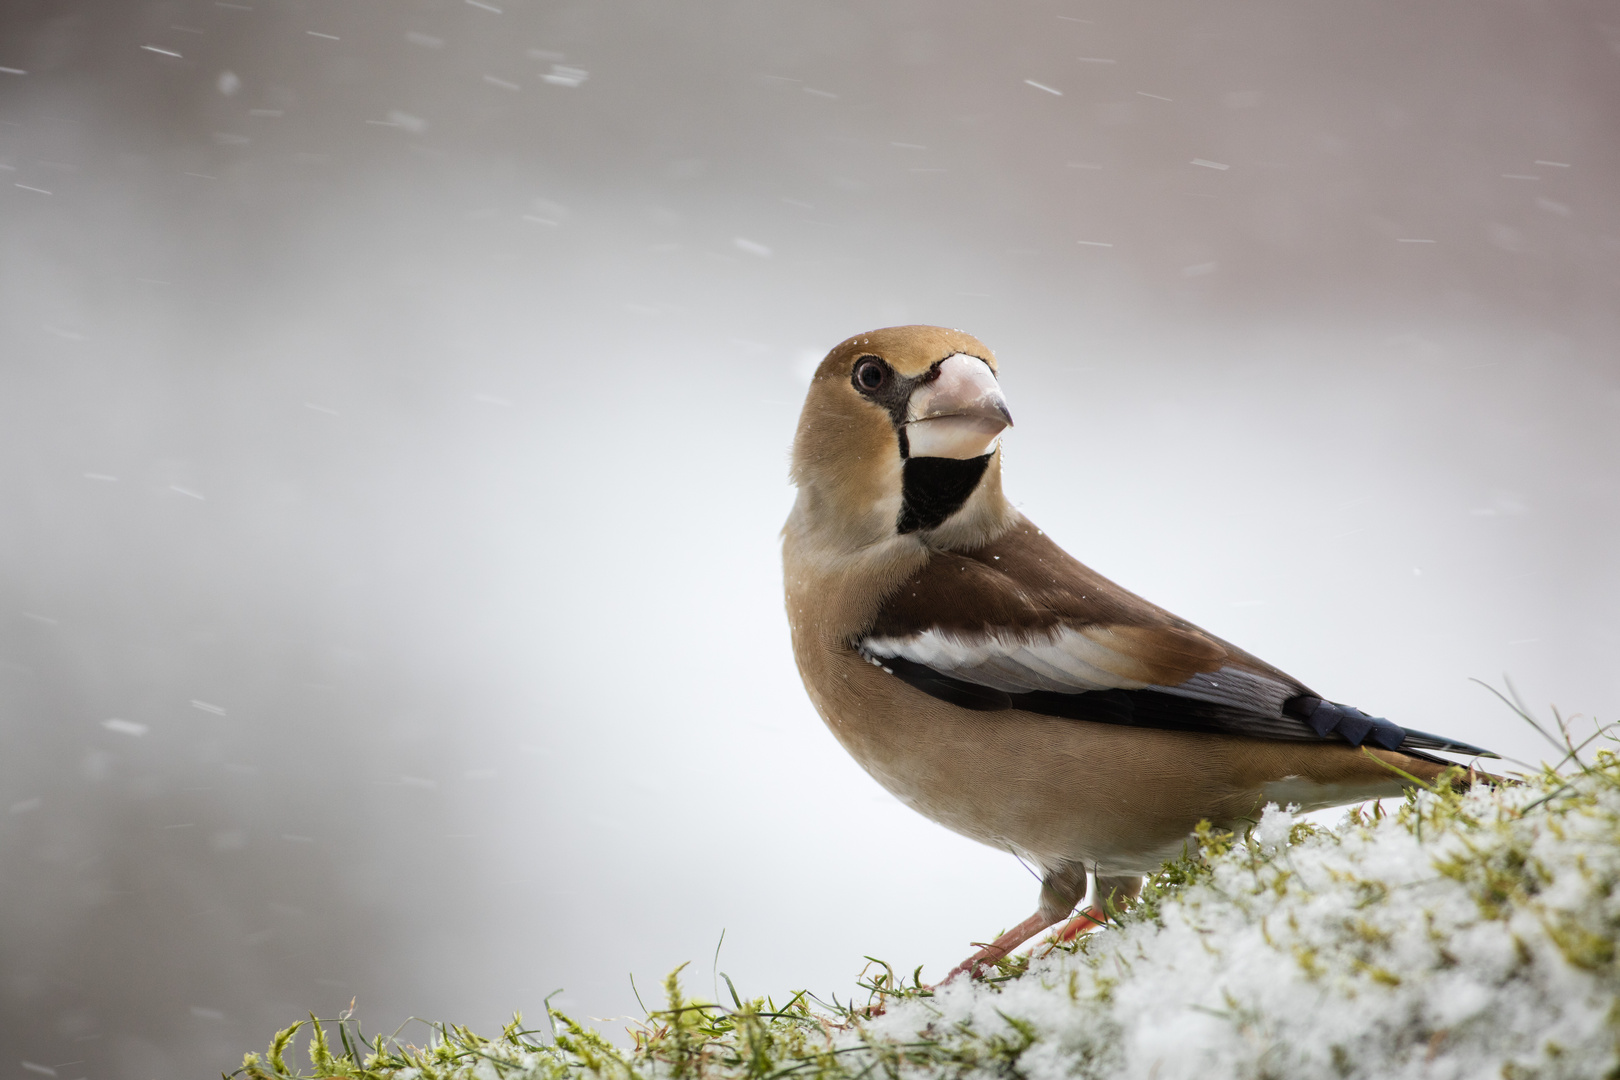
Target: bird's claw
987, 954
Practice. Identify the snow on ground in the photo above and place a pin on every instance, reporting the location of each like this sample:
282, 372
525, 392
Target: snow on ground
1455, 936
1485, 948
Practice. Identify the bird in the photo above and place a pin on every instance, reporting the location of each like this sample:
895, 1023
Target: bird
997, 685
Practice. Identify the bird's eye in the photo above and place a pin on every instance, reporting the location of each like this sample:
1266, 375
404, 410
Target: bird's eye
871, 373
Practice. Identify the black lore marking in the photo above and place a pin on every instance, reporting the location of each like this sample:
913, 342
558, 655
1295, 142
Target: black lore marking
932, 489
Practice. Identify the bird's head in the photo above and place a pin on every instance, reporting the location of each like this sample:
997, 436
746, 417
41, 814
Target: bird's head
900, 436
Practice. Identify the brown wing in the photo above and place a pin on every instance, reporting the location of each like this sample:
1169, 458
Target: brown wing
1019, 623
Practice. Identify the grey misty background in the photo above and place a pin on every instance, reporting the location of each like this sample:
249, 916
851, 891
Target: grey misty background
395, 433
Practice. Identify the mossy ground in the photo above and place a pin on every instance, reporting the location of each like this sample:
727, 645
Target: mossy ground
1453, 934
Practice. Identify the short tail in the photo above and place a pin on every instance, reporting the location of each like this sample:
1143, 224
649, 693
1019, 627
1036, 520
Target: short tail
1356, 727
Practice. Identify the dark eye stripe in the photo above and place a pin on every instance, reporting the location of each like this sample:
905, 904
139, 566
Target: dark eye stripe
891, 394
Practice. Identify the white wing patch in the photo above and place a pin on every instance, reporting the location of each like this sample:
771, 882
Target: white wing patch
1069, 662
1065, 662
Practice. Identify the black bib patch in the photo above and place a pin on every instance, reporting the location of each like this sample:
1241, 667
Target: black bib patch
932, 489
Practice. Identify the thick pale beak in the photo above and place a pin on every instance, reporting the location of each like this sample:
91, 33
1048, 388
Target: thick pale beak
960, 414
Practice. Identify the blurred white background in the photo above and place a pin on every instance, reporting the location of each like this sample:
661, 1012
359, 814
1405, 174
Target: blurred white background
396, 399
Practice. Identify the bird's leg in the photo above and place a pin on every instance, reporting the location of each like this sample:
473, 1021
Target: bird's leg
1003, 945
1116, 889
1083, 923
1060, 891
1110, 890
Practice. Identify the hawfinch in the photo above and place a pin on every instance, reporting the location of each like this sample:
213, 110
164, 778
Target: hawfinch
1005, 690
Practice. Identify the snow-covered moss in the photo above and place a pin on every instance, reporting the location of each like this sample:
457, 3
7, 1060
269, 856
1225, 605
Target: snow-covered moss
1458, 935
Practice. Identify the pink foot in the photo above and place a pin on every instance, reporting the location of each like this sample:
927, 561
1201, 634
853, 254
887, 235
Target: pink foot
1000, 947
1083, 923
